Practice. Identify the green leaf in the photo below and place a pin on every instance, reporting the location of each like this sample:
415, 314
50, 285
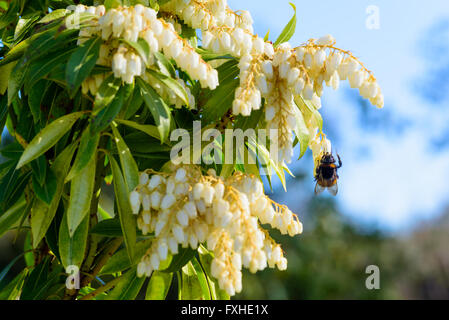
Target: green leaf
128, 287
206, 258
146, 128
24, 25
158, 108
266, 36
106, 93
158, 285
54, 15
312, 116
72, 249
42, 67
39, 167
50, 41
5, 73
264, 154
12, 151
208, 55
40, 281
37, 278
6, 269
171, 85
16, 79
202, 279
12, 216
164, 64
108, 228
132, 106
127, 219
81, 192
109, 4
120, 260
289, 29
13, 289
180, 260
42, 214
10, 15
108, 114
220, 101
35, 96
130, 170
48, 137
191, 288
141, 47
302, 133
88, 147
47, 191
81, 63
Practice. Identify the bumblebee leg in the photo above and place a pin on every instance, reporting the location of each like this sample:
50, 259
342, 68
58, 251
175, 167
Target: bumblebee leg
339, 161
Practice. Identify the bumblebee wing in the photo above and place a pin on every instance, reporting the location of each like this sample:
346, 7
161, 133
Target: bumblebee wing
319, 189
333, 190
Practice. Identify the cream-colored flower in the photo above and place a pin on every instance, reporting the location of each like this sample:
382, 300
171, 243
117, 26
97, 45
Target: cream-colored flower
223, 214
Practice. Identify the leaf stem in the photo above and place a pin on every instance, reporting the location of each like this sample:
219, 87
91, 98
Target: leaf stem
103, 259
102, 289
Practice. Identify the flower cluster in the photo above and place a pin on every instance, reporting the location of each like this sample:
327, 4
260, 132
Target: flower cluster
279, 75
185, 207
139, 22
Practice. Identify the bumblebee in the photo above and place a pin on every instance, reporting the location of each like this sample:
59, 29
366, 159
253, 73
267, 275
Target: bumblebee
326, 176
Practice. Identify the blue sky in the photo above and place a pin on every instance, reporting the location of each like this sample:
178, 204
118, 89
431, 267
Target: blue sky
391, 178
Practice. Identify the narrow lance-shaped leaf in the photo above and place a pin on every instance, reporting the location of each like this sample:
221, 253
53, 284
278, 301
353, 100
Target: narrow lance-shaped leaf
6, 269
48, 137
127, 219
47, 190
128, 287
81, 63
16, 79
206, 258
108, 114
220, 101
302, 133
108, 228
202, 279
180, 260
165, 65
42, 214
141, 47
12, 216
159, 285
81, 191
72, 248
54, 15
41, 68
120, 260
191, 285
88, 147
130, 170
158, 108
13, 289
147, 128
288, 31
5, 72
106, 93
171, 84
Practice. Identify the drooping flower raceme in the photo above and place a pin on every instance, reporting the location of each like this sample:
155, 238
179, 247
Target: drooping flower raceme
284, 73
280, 76
121, 25
186, 208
